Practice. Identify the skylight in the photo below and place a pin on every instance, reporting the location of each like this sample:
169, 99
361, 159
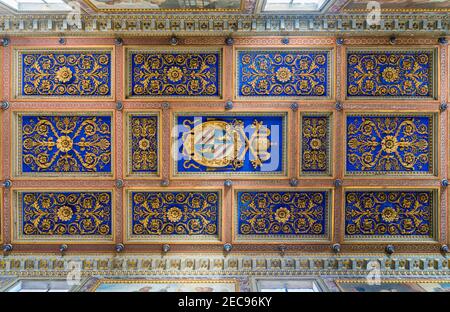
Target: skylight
293, 5
37, 5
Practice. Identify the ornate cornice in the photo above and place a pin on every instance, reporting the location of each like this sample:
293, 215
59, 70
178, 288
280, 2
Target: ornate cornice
216, 24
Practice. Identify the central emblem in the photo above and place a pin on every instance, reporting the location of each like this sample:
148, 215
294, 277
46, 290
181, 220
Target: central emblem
218, 144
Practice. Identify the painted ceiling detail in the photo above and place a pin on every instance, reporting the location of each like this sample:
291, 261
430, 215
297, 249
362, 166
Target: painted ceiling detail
60, 73
281, 215
391, 74
315, 140
283, 74
143, 144
390, 144
182, 73
70, 144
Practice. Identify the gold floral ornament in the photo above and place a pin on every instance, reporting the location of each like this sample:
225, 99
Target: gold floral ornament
389, 213
59, 74
175, 213
65, 144
66, 213
282, 214
386, 144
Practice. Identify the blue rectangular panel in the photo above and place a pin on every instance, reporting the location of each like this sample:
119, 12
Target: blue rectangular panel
70, 213
174, 73
65, 144
389, 214
283, 73
238, 144
62, 73
393, 74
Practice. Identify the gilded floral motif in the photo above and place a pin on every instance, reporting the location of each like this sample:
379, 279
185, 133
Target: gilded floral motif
175, 213
144, 143
283, 73
178, 74
389, 213
282, 213
66, 143
389, 143
230, 143
390, 74
315, 144
65, 73
66, 213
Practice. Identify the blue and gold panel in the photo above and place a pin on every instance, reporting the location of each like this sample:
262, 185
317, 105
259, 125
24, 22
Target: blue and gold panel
391, 74
315, 144
143, 144
178, 73
64, 73
174, 215
63, 215
390, 144
230, 144
282, 215
64, 144
284, 74
391, 215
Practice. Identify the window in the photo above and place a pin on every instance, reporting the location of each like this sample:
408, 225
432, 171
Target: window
293, 5
40, 286
37, 5
289, 285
